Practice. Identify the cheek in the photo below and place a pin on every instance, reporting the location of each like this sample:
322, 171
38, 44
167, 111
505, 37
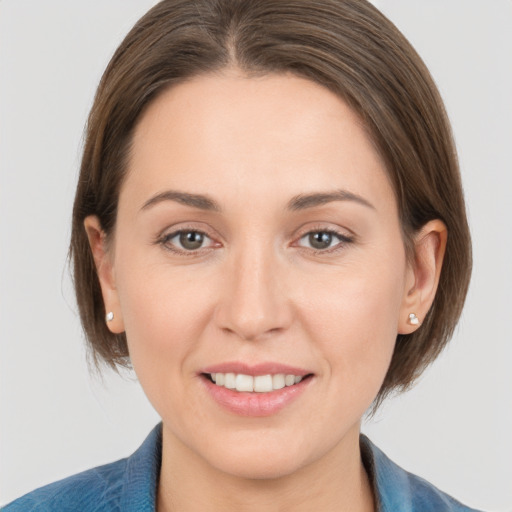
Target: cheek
164, 314
353, 316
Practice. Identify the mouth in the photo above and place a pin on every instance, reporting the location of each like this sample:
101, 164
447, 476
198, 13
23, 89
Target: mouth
255, 390
243, 383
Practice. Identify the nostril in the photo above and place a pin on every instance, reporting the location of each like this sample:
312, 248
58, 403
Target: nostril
252, 310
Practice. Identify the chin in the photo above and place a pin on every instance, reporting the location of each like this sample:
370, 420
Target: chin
265, 466
261, 455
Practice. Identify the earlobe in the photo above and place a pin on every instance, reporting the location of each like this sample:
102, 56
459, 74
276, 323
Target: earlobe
105, 271
423, 275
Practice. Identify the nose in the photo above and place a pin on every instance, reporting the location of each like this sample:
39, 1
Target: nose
254, 301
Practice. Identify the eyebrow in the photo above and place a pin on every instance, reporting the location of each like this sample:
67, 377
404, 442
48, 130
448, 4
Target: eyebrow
296, 203
303, 201
195, 200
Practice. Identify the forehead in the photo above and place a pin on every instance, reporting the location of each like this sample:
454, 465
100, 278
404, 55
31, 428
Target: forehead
275, 134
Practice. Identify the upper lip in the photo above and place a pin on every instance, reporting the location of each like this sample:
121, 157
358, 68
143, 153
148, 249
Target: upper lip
266, 368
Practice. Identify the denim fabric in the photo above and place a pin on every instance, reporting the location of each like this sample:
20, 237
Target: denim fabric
397, 490
129, 485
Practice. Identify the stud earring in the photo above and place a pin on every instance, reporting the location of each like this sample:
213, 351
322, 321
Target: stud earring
413, 319
109, 316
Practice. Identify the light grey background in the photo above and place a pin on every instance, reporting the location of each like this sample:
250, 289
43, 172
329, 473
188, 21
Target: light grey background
454, 428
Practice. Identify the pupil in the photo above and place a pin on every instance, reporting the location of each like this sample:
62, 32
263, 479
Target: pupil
191, 240
320, 240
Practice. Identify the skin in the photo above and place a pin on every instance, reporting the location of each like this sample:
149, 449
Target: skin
257, 290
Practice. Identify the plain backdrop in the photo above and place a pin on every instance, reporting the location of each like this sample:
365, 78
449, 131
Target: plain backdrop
454, 428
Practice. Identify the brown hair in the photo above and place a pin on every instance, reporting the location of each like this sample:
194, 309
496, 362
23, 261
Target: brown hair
347, 46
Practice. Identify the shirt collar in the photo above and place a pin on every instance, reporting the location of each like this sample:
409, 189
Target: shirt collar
389, 482
142, 474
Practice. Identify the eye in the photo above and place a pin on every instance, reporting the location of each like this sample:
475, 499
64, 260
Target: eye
186, 240
324, 240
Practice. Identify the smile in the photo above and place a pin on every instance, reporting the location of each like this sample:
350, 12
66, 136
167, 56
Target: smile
258, 384
261, 390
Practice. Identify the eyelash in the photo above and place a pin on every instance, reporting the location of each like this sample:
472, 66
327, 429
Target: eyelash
165, 239
343, 240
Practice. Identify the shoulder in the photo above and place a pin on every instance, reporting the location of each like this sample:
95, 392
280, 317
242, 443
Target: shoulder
400, 491
127, 485
96, 489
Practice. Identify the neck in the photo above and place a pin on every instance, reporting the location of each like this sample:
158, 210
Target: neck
335, 482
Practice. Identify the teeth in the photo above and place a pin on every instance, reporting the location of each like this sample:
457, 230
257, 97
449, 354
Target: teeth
289, 380
244, 382
263, 383
230, 381
258, 384
278, 381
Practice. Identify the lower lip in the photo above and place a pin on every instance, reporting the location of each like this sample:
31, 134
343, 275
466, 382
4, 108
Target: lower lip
255, 404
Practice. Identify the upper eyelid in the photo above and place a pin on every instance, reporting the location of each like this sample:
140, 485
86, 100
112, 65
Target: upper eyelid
339, 231
172, 231
172, 234
343, 239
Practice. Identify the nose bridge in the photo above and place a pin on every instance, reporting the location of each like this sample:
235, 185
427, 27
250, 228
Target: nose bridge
254, 302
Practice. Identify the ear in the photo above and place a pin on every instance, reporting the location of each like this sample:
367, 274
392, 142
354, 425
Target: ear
105, 270
423, 273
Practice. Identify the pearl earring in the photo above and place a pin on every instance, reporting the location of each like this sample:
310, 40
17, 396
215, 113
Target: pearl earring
413, 319
109, 316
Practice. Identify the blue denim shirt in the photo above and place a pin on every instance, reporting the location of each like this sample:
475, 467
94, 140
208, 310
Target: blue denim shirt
129, 485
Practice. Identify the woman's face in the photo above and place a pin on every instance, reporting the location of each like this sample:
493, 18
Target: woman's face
257, 234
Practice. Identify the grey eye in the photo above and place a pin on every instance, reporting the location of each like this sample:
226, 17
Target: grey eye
191, 240
320, 239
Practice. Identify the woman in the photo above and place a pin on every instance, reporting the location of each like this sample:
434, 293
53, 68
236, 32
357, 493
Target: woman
269, 227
